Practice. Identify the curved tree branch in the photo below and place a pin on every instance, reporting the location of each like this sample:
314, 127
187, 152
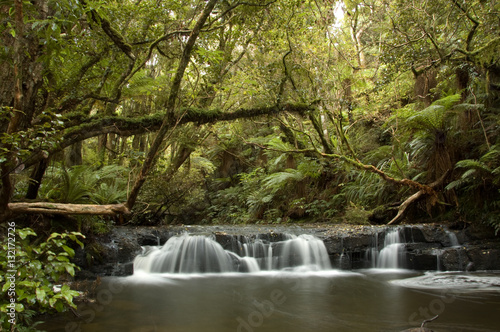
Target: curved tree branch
124, 126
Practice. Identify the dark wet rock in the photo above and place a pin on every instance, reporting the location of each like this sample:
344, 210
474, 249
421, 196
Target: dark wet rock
427, 247
421, 259
484, 257
454, 259
413, 234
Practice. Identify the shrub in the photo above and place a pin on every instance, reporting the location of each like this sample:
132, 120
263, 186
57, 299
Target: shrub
32, 269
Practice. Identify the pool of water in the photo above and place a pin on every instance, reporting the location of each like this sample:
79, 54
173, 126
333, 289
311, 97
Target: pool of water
368, 300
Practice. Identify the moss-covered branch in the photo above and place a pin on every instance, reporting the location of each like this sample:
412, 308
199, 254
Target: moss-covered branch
126, 126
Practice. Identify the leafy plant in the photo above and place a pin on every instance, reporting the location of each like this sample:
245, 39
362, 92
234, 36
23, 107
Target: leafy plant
38, 267
479, 179
84, 184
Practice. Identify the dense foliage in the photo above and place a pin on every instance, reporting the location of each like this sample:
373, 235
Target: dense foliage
362, 105
40, 267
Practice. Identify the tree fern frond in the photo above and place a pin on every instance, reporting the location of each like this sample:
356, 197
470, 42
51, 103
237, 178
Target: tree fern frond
432, 117
469, 174
448, 101
493, 155
276, 180
455, 184
109, 194
429, 118
467, 106
278, 144
473, 164
203, 163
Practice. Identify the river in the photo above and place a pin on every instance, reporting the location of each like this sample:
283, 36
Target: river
192, 284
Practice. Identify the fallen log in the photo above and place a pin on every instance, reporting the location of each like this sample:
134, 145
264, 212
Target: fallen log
68, 209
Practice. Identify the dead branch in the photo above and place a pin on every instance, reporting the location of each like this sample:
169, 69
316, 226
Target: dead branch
416, 196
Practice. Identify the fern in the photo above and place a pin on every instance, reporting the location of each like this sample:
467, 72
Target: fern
277, 180
109, 194
449, 101
429, 118
433, 117
77, 184
278, 144
203, 164
83, 184
473, 165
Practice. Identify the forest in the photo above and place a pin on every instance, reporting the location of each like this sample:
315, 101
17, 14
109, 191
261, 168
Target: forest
150, 112
184, 112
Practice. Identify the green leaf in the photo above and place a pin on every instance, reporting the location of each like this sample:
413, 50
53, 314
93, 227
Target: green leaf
19, 307
5, 287
69, 250
40, 295
25, 232
52, 301
70, 269
28, 283
53, 235
61, 258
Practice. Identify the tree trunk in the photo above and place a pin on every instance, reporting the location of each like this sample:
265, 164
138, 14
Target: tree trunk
36, 178
171, 103
74, 154
8, 166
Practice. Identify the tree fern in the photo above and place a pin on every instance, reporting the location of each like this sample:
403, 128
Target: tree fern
433, 117
278, 144
473, 165
277, 180
479, 168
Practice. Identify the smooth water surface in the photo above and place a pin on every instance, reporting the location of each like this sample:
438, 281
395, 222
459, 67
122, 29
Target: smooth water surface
370, 300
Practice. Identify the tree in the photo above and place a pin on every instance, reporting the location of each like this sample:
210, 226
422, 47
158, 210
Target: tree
346, 91
96, 36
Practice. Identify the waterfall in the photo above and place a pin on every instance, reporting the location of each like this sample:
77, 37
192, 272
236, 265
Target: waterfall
390, 255
453, 238
186, 254
202, 254
303, 251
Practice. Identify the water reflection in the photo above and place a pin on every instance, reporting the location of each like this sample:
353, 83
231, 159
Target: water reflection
286, 301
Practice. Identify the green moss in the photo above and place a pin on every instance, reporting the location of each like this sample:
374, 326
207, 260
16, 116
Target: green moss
201, 115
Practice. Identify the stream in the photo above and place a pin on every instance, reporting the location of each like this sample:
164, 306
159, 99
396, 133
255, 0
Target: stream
192, 284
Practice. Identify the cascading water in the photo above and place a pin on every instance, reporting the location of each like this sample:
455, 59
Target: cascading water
185, 254
201, 254
390, 256
304, 251
453, 239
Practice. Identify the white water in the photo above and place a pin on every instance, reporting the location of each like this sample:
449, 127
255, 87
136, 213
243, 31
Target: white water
453, 239
185, 254
455, 281
202, 254
390, 256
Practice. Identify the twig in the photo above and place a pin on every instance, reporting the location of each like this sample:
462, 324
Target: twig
428, 320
